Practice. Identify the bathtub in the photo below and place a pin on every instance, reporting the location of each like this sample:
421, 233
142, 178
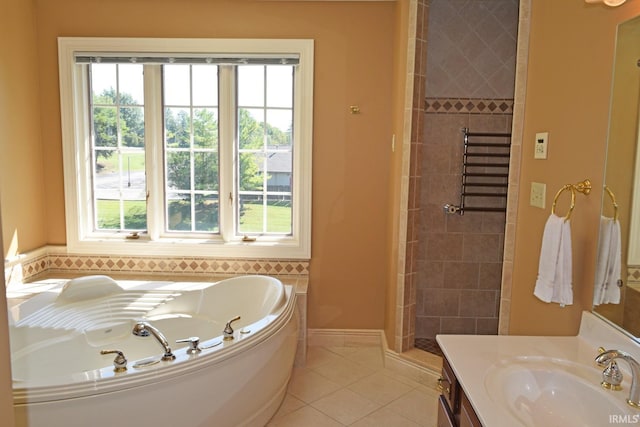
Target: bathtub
60, 377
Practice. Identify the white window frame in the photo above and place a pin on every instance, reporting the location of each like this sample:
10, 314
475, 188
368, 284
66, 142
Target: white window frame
81, 237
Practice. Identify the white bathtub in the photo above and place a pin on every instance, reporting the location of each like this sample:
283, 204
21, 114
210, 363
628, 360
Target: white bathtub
61, 379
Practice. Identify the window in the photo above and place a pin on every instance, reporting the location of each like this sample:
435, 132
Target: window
187, 146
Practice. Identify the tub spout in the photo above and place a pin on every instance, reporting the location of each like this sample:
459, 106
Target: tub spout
143, 329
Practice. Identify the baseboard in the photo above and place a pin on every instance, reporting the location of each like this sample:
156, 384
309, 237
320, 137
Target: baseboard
344, 337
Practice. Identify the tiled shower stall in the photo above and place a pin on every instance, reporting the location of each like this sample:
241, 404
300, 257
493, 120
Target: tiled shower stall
470, 73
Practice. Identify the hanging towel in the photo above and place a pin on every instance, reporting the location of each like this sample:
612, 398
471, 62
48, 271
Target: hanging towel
554, 268
608, 263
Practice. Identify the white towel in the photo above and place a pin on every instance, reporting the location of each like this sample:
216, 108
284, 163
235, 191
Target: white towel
554, 268
608, 263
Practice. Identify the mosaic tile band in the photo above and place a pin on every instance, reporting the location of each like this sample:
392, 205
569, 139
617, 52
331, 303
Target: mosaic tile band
48, 263
633, 274
468, 106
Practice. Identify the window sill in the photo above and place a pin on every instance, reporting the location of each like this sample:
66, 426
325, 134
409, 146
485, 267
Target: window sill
191, 248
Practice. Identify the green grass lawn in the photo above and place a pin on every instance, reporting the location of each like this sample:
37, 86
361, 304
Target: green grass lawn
134, 216
279, 217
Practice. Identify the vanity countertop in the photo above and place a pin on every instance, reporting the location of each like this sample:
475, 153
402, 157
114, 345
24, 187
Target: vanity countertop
472, 357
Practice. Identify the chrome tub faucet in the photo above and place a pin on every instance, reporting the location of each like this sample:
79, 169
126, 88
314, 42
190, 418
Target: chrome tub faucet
144, 329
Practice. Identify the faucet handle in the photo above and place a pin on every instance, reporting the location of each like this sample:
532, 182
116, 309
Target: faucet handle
120, 362
612, 376
228, 330
193, 344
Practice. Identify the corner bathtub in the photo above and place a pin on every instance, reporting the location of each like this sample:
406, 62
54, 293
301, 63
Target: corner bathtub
62, 379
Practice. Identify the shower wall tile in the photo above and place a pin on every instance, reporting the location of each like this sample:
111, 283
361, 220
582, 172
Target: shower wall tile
457, 325
486, 326
479, 303
427, 326
440, 187
464, 223
493, 222
461, 275
441, 302
490, 275
472, 48
482, 247
432, 274
444, 246
432, 218
460, 256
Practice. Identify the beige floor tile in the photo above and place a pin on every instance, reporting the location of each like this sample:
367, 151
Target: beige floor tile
349, 385
371, 357
342, 350
380, 388
289, 404
343, 371
384, 418
345, 406
416, 406
304, 417
401, 378
317, 356
309, 386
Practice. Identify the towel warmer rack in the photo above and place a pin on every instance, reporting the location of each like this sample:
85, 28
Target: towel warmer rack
485, 172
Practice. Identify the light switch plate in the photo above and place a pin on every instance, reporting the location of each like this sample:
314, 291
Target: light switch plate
538, 194
541, 145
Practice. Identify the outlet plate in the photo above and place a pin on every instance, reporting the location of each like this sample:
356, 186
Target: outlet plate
541, 145
538, 194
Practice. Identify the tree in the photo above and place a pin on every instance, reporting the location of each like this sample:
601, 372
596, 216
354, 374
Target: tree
106, 108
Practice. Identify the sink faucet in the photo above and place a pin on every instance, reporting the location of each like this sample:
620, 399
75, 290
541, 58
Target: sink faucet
611, 355
143, 329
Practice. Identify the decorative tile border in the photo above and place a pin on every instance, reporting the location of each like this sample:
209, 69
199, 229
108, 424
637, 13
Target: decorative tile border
468, 106
633, 274
41, 262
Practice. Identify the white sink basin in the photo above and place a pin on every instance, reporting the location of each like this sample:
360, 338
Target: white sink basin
550, 392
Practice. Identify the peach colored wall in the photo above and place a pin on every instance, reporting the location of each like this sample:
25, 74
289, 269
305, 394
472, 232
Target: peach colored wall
568, 90
19, 152
22, 192
353, 65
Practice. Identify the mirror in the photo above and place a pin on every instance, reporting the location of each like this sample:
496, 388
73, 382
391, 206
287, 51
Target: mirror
620, 302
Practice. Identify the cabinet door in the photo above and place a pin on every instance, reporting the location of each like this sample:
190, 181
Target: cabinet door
445, 416
448, 386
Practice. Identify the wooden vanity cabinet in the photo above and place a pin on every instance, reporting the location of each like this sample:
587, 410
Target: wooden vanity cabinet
454, 408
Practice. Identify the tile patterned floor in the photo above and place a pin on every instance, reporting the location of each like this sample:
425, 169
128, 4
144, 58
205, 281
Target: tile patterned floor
349, 386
